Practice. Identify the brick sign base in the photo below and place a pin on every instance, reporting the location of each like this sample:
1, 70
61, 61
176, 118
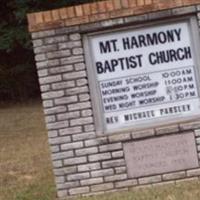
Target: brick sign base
85, 162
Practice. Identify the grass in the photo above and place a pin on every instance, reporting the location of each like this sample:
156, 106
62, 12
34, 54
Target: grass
25, 166
182, 191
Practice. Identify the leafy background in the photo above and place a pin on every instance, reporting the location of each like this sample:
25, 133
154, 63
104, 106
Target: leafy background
18, 78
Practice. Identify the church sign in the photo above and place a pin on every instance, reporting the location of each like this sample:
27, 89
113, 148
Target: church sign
120, 89
145, 75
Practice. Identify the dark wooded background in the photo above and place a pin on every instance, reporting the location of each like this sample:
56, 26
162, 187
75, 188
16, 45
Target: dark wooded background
18, 78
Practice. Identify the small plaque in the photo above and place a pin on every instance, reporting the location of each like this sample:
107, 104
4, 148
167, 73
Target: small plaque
161, 155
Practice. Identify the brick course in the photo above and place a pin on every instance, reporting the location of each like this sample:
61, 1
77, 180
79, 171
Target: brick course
99, 11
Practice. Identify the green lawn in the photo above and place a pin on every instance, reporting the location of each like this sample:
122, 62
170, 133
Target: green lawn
25, 166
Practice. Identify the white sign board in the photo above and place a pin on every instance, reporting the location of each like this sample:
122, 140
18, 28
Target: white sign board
145, 75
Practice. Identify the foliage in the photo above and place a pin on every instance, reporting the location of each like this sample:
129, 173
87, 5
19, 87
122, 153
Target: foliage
18, 79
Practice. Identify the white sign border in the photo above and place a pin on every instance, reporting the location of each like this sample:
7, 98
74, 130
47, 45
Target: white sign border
97, 105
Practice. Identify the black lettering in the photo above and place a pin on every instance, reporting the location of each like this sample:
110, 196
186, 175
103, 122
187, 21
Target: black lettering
139, 60
170, 55
152, 39
188, 53
126, 43
188, 71
178, 33
107, 67
180, 54
99, 67
121, 60
162, 37
108, 46
175, 109
191, 86
110, 107
112, 120
170, 36
142, 41
152, 59
134, 43
105, 47
114, 64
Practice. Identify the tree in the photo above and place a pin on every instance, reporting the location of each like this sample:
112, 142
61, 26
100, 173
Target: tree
18, 79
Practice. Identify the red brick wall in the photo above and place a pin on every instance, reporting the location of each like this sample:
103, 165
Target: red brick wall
103, 10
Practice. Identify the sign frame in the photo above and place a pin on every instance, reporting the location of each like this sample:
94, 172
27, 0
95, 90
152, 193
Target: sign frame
97, 105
